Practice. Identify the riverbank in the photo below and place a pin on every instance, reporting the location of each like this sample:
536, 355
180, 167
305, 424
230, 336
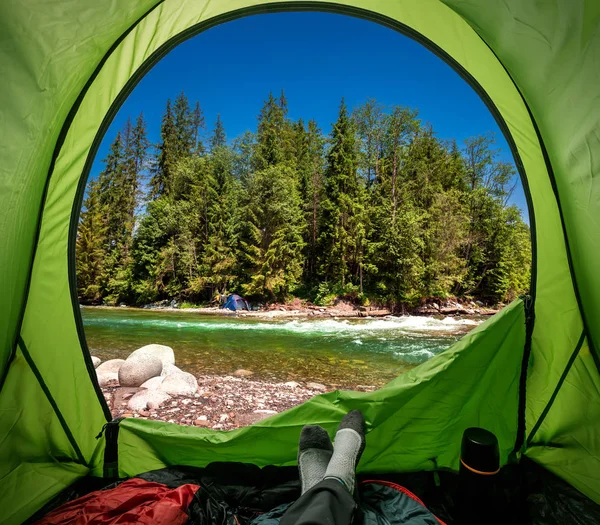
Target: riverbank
298, 309
227, 372
149, 385
221, 403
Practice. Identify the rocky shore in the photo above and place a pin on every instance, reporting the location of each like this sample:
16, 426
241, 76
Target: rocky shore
148, 385
341, 309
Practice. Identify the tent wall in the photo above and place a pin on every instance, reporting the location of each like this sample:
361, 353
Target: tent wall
552, 51
69, 65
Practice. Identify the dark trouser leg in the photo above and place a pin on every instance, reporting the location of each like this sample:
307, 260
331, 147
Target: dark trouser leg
327, 503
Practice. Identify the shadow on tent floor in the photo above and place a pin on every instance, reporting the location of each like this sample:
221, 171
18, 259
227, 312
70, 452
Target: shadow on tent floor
235, 493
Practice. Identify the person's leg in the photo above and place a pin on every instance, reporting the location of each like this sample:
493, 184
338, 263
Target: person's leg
349, 446
314, 452
331, 500
327, 503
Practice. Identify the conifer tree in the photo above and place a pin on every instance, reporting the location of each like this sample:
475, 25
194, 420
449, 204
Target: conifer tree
219, 263
219, 137
309, 149
344, 217
270, 134
91, 246
198, 124
167, 153
390, 210
186, 125
272, 243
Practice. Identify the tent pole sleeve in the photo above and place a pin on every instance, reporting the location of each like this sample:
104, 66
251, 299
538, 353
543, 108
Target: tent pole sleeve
52, 402
557, 389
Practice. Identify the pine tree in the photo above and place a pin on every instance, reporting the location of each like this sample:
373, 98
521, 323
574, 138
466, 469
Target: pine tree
219, 137
136, 146
91, 245
309, 150
344, 217
166, 157
219, 262
396, 239
272, 243
186, 124
390, 211
198, 124
270, 136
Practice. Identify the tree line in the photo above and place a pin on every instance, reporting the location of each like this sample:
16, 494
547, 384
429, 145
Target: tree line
381, 210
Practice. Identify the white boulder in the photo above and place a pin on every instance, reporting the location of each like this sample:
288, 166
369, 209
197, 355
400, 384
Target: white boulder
105, 377
140, 400
169, 369
163, 353
138, 368
152, 383
180, 383
96, 361
111, 366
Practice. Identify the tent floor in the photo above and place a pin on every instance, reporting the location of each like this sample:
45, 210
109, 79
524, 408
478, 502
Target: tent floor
528, 493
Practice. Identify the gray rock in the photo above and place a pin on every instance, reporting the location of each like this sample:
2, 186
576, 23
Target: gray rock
169, 369
163, 353
180, 383
316, 386
105, 377
111, 366
144, 398
292, 384
137, 369
96, 361
152, 383
243, 373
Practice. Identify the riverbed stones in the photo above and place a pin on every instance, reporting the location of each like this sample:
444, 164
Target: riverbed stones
316, 386
292, 384
180, 383
243, 373
152, 383
96, 361
147, 399
164, 353
138, 368
111, 366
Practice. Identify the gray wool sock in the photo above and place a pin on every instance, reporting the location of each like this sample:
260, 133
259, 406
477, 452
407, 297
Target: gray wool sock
314, 452
349, 446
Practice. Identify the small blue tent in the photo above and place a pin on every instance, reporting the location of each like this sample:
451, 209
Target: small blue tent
235, 302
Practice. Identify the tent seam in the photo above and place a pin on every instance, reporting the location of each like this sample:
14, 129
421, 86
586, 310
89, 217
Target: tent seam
559, 385
52, 402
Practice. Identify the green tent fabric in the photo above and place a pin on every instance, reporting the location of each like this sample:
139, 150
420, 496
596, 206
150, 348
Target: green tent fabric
530, 374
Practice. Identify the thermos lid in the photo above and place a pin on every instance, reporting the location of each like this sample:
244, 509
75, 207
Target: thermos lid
479, 451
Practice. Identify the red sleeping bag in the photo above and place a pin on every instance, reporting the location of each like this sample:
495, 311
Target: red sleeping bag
135, 501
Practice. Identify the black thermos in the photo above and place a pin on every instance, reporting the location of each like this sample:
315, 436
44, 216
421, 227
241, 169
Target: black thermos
479, 466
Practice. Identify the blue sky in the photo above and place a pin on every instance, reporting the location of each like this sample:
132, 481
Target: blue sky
316, 58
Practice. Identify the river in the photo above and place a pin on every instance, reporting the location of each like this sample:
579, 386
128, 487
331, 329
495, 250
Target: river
338, 353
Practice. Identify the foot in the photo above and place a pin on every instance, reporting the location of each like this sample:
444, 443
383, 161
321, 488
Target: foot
314, 452
349, 446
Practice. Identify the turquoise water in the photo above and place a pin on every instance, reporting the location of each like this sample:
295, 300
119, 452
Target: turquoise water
338, 353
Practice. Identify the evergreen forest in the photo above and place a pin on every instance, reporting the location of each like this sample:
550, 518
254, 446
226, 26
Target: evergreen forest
380, 211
